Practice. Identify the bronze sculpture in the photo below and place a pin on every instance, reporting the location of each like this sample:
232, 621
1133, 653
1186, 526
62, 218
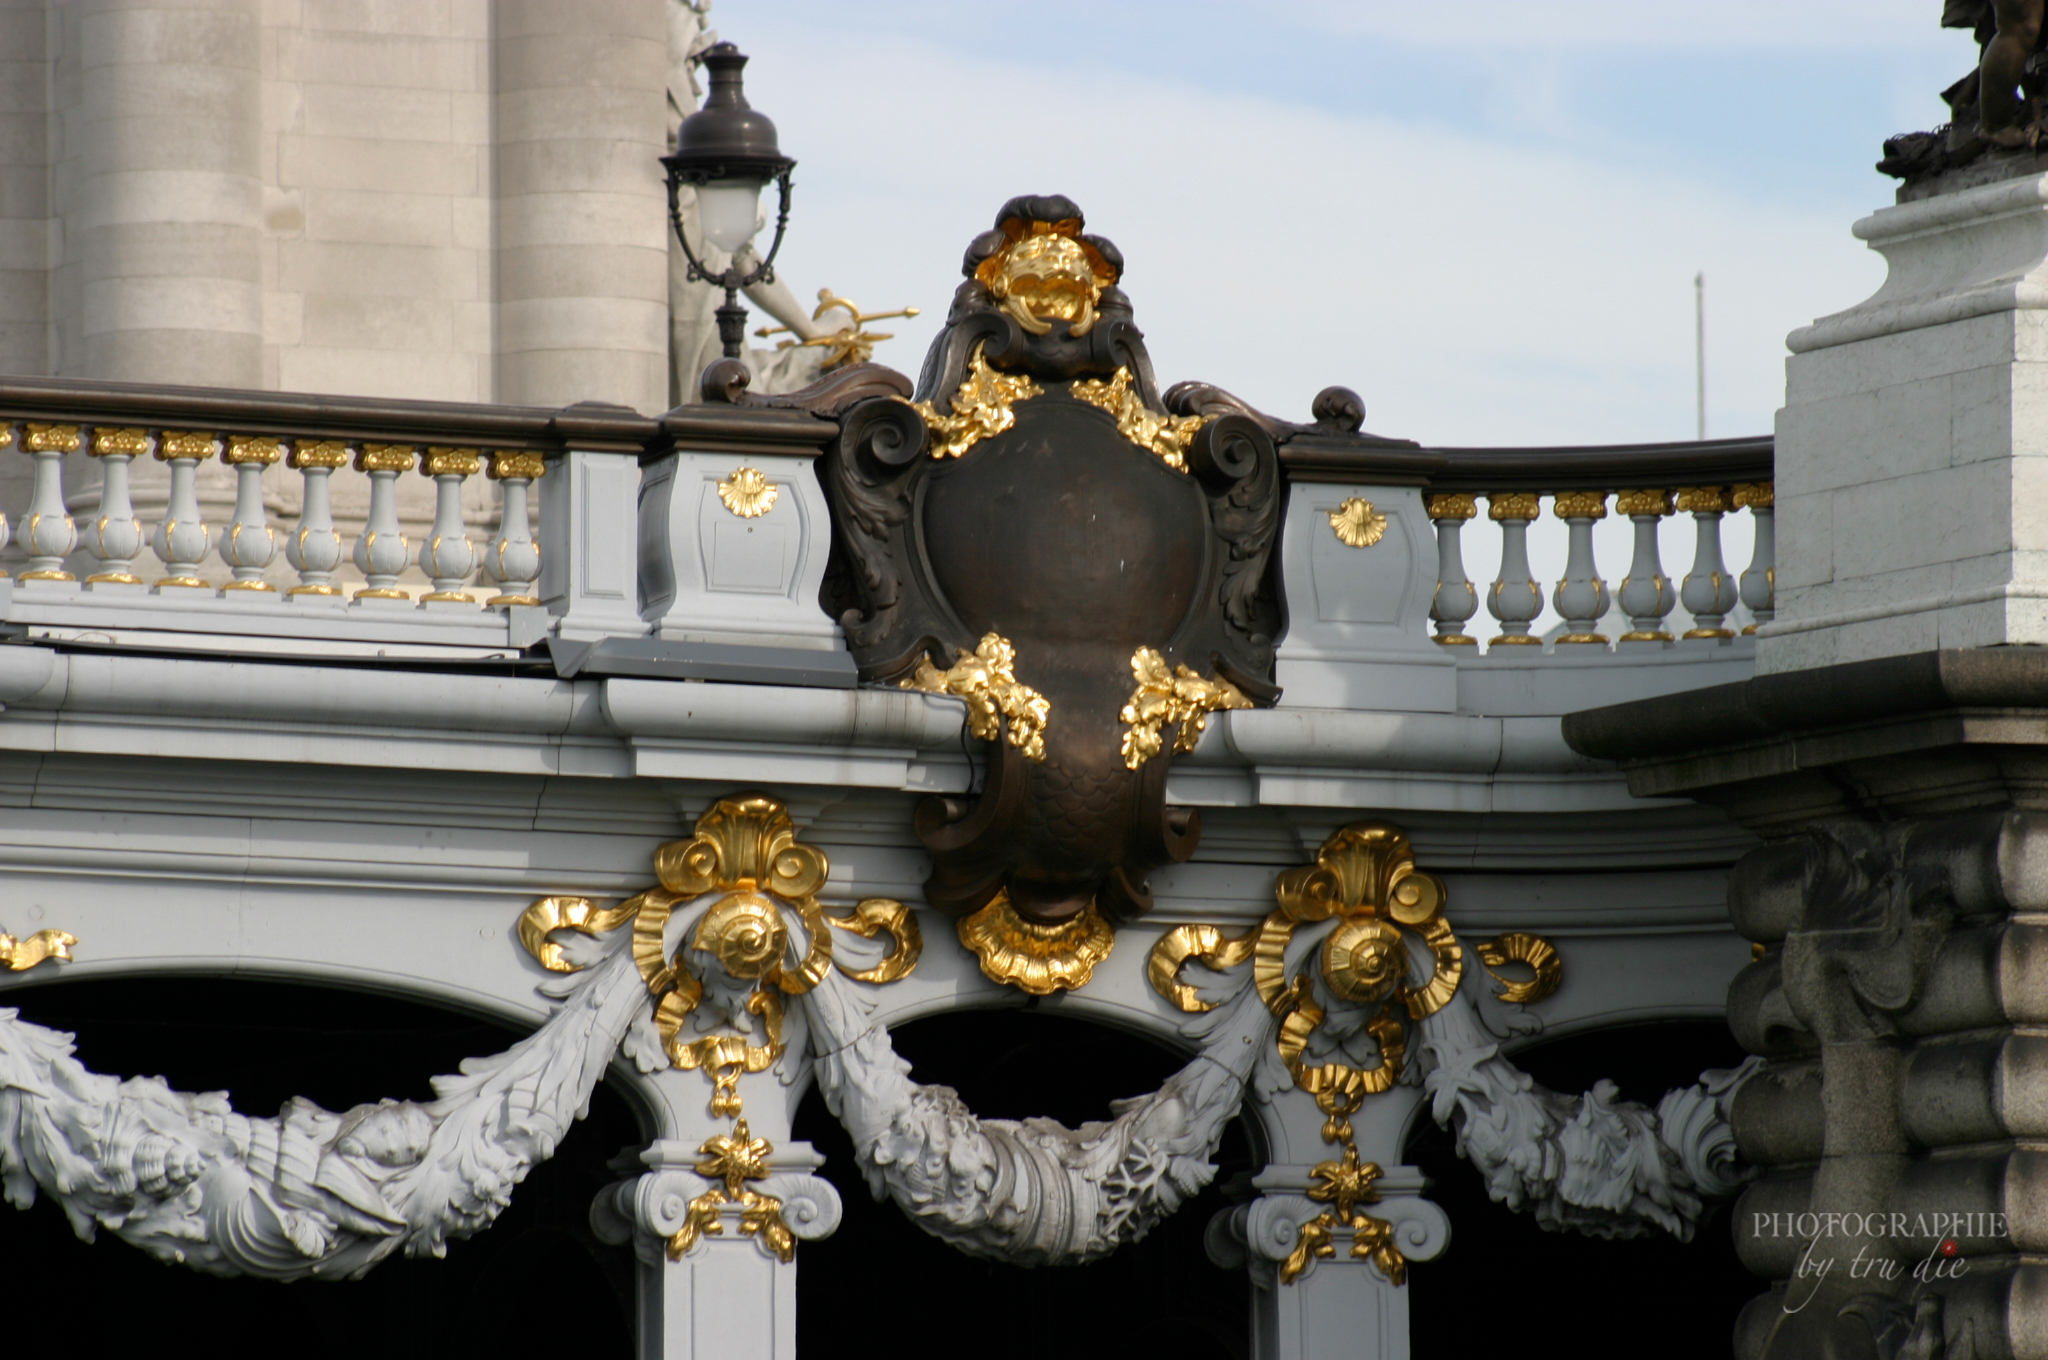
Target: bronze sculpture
1995, 108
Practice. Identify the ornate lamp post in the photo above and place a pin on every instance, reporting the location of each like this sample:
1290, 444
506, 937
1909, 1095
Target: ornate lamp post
727, 152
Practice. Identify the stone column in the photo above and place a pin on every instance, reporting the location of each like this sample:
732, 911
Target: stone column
582, 252
1912, 488
164, 214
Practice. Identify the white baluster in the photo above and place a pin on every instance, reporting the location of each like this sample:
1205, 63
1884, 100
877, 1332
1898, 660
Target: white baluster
448, 556
51, 534
1515, 599
381, 549
1455, 601
1760, 582
1708, 590
513, 559
115, 538
1646, 596
1581, 597
182, 540
248, 544
315, 550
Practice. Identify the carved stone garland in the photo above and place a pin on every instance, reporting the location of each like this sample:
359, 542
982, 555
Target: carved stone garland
727, 968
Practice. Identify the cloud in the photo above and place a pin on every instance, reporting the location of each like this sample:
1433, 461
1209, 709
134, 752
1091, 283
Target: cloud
1475, 292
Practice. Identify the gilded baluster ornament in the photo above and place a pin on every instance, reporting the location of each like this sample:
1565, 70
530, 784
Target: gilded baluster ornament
448, 556
115, 537
997, 702
48, 532
1516, 599
512, 558
1708, 590
381, 549
1645, 595
1456, 599
247, 542
980, 408
182, 540
1163, 435
1581, 597
1176, 696
1759, 583
314, 551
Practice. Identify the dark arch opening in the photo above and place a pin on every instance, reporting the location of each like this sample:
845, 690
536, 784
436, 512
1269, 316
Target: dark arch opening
537, 1282
1160, 1296
1636, 1287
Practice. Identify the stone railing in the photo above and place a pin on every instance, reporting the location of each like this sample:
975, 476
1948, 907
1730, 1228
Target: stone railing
694, 544
1646, 482
187, 518
1382, 605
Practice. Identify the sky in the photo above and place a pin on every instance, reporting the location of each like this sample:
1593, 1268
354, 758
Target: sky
1485, 217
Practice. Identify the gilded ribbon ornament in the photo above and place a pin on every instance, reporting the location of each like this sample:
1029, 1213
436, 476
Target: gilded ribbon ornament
18, 956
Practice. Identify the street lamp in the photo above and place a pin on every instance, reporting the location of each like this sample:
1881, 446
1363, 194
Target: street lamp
727, 152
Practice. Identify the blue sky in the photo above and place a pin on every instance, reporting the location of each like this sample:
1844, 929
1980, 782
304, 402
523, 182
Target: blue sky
1484, 216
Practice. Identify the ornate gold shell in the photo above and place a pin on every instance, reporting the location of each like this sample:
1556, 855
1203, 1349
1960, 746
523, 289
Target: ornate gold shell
748, 493
981, 408
1167, 696
987, 679
1164, 435
1358, 525
1034, 956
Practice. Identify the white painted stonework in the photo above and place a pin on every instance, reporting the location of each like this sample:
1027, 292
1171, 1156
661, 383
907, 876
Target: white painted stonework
1912, 489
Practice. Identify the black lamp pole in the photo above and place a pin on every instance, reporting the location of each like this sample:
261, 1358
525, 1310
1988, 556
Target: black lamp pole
727, 144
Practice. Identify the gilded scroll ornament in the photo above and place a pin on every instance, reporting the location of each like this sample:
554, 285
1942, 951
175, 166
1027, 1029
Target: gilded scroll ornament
748, 493
1167, 696
51, 439
1545, 966
18, 956
1643, 503
1039, 957
1703, 500
1756, 496
1580, 505
1452, 505
128, 440
981, 408
1154, 431
1514, 505
749, 883
1357, 523
996, 700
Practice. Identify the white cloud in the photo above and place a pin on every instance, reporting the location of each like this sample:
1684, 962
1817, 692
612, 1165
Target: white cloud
1473, 293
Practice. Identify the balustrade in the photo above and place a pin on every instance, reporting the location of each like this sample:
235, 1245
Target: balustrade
1647, 597
248, 546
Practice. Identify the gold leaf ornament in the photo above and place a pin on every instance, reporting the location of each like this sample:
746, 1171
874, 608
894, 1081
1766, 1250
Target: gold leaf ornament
1154, 431
1037, 957
982, 407
748, 493
1357, 523
18, 956
987, 679
1164, 696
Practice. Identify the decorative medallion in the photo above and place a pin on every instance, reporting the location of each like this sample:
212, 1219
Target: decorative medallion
1036, 956
1000, 505
1357, 524
748, 493
1177, 696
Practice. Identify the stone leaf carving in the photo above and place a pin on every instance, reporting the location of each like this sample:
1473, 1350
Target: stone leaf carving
1591, 1163
1030, 1192
311, 1193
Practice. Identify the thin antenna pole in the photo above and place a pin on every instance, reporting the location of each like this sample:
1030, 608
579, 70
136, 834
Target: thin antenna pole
1699, 348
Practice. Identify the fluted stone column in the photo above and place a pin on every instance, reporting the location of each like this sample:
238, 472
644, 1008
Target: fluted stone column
164, 211
582, 254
